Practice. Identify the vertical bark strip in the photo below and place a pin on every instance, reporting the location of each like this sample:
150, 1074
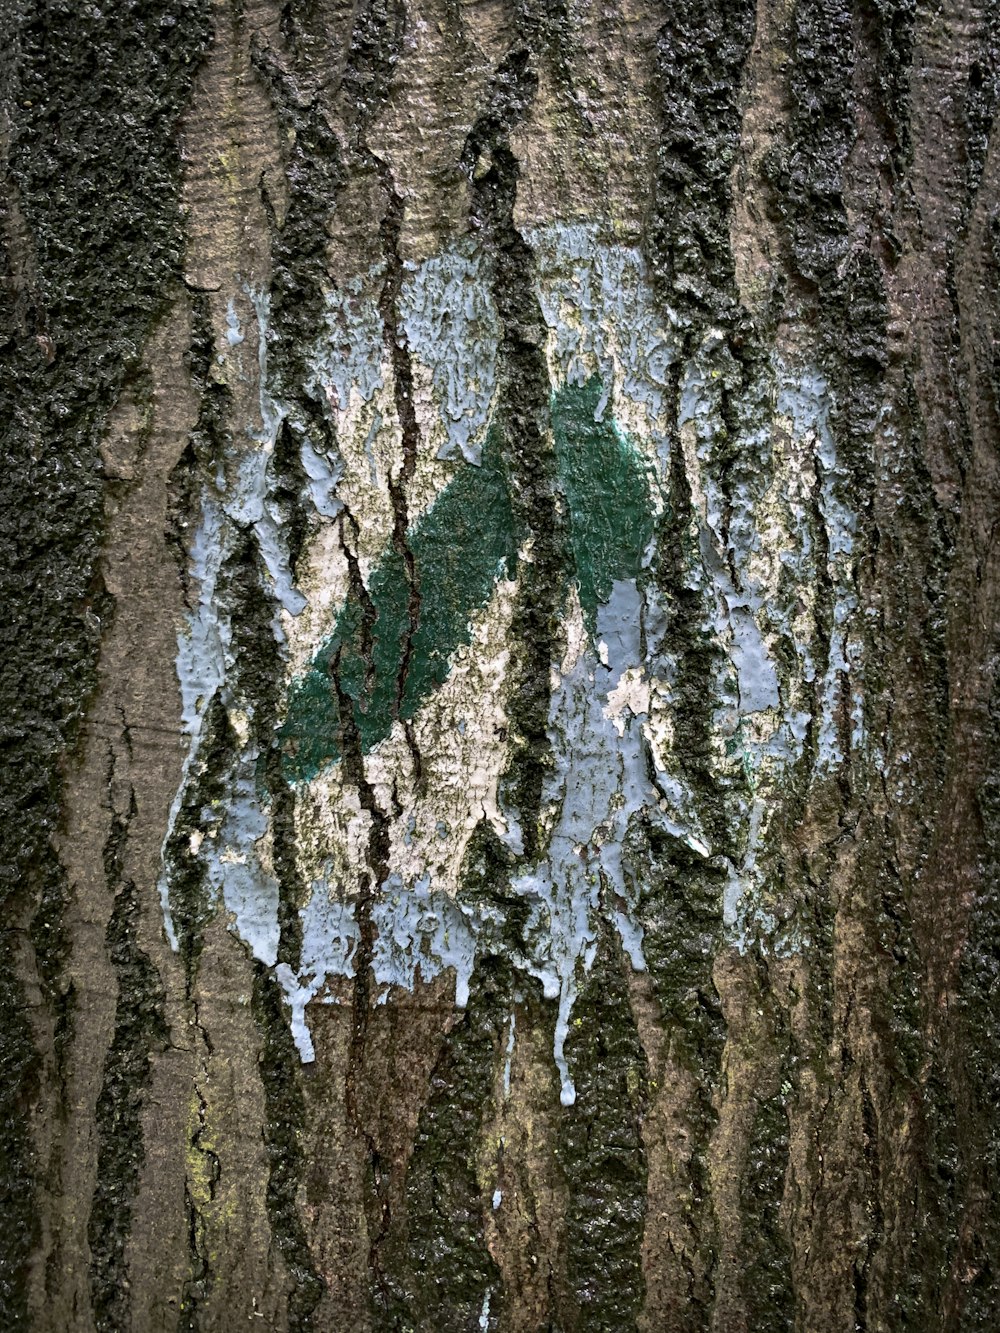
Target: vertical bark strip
92, 241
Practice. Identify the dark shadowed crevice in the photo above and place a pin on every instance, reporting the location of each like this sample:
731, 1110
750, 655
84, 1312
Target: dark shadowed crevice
602, 1154
189, 894
809, 176
257, 685
701, 49
982, 97
874, 1232
139, 1029
315, 175
284, 1115
369, 880
974, 1279
889, 28
200, 1187
679, 907
522, 417
442, 1271
765, 1257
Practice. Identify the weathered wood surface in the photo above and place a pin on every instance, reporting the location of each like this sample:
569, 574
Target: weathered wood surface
500, 790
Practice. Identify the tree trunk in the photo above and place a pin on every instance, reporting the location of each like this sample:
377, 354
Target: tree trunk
501, 790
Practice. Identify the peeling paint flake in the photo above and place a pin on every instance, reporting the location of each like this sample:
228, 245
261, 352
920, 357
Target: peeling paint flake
428, 696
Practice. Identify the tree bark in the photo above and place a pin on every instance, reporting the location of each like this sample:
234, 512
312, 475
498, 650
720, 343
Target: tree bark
501, 786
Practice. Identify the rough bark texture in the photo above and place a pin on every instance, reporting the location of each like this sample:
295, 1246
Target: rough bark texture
501, 768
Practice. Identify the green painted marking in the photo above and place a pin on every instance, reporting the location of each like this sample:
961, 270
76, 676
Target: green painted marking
461, 546
605, 482
465, 542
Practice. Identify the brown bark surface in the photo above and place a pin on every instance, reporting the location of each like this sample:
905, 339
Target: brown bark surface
373, 375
